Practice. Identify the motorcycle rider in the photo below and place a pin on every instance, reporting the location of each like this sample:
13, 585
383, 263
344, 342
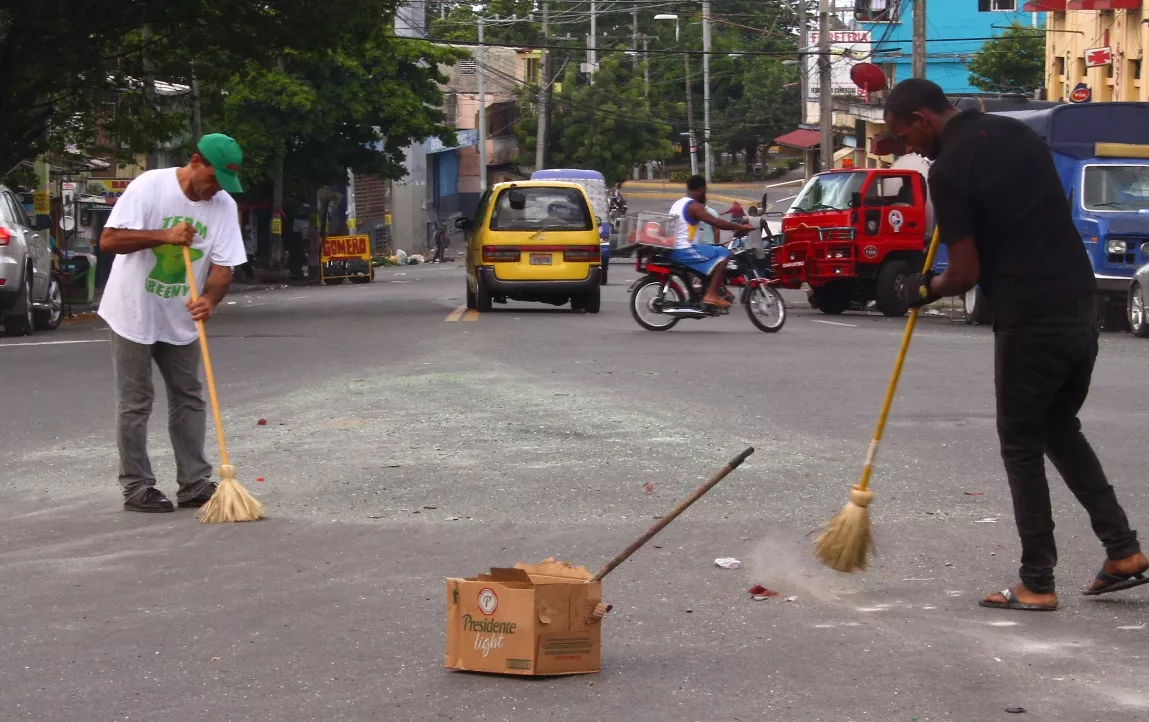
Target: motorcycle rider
617, 202
708, 260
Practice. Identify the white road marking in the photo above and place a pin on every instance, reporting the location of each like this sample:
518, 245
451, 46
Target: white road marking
835, 323
52, 343
787, 198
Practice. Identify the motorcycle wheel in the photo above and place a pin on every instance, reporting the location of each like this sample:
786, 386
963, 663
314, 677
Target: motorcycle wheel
642, 299
765, 307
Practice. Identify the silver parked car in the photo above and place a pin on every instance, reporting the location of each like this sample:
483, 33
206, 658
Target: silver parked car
30, 297
1138, 298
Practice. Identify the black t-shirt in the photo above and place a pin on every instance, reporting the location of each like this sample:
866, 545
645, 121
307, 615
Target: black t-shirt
995, 180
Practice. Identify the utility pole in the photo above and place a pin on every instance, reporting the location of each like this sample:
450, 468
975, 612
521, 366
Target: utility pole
482, 110
634, 38
197, 118
690, 117
706, 88
592, 52
645, 67
803, 59
826, 92
544, 105
919, 38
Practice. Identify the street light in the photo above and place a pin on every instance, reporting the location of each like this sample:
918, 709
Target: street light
689, 96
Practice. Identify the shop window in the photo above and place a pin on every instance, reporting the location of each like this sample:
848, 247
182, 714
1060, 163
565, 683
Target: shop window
876, 11
1060, 65
996, 6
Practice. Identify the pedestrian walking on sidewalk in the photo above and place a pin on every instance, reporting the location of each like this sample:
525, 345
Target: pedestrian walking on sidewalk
1008, 228
440, 245
147, 306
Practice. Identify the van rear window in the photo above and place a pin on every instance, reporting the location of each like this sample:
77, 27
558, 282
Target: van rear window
541, 208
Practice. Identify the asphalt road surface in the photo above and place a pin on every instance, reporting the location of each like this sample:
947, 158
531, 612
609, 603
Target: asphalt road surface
408, 441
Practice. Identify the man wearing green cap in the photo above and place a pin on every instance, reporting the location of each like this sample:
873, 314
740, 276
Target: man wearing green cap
147, 304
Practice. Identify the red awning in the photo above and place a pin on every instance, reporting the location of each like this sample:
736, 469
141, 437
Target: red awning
1044, 6
803, 139
1104, 5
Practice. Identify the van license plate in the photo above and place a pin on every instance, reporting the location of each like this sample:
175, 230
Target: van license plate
540, 259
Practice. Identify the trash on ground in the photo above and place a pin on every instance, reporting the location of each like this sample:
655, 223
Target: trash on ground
791, 599
454, 518
727, 562
760, 592
987, 520
428, 506
1015, 710
649, 487
261, 422
975, 493
532, 619
259, 478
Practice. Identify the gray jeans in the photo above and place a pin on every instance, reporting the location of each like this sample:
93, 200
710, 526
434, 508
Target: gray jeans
187, 414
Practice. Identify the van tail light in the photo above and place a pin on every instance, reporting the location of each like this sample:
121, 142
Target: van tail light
582, 254
5, 236
502, 254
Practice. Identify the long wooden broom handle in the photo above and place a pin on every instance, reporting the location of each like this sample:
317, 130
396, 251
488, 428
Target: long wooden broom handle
207, 363
637, 544
872, 453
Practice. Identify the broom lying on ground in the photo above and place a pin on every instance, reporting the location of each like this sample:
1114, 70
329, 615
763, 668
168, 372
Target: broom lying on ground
847, 539
231, 502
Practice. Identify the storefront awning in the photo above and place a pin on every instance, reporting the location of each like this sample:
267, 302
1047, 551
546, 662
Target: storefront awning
801, 139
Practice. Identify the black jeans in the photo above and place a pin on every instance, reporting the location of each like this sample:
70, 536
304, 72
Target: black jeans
1042, 377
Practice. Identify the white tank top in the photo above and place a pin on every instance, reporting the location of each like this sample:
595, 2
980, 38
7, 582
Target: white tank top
687, 227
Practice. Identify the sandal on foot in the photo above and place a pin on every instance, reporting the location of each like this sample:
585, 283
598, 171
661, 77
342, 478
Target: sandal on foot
1011, 602
1116, 583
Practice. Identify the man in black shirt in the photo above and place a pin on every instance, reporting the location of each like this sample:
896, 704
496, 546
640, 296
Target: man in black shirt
1007, 226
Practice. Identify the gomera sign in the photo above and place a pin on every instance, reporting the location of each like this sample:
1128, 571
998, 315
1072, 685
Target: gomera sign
336, 251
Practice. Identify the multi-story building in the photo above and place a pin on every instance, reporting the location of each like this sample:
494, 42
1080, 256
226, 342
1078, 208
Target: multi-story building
881, 32
1094, 49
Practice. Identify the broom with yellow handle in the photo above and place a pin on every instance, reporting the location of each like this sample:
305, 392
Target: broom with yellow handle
847, 540
231, 502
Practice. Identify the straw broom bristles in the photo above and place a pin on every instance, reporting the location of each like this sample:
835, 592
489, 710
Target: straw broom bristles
847, 538
230, 502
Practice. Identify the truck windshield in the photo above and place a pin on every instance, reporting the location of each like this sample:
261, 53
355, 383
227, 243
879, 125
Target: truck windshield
829, 192
1116, 187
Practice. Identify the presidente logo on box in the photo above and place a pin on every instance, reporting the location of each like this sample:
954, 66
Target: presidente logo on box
488, 601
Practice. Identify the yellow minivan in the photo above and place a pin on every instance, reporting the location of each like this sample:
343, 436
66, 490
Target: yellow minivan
533, 241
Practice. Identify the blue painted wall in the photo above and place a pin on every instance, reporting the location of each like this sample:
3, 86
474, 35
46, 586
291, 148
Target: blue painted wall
945, 64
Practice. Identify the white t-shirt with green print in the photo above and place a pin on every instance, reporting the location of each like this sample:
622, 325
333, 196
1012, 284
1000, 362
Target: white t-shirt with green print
147, 292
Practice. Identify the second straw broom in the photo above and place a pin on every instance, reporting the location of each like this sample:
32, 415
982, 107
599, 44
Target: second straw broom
230, 502
847, 539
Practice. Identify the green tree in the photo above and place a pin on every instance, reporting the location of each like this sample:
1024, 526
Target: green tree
71, 69
603, 126
1012, 62
508, 21
766, 106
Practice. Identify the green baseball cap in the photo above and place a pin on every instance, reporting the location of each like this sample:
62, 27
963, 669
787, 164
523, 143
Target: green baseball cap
225, 157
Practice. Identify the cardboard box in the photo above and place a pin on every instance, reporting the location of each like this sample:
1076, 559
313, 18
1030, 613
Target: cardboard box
534, 619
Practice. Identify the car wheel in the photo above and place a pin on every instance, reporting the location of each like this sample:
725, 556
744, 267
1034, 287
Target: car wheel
1138, 322
592, 300
483, 298
22, 323
49, 318
470, 296
977, 311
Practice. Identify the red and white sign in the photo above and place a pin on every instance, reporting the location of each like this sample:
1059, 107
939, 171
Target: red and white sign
1096, 57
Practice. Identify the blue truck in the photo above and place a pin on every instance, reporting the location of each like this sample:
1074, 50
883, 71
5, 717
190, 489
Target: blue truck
1101, 151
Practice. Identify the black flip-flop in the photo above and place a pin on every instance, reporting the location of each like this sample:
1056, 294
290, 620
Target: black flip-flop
1011, 602
1114, 583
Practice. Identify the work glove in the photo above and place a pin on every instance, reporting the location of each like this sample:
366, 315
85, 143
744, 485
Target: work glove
915, 289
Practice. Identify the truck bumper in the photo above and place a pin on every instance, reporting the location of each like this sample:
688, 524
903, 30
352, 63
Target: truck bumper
1113, 285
